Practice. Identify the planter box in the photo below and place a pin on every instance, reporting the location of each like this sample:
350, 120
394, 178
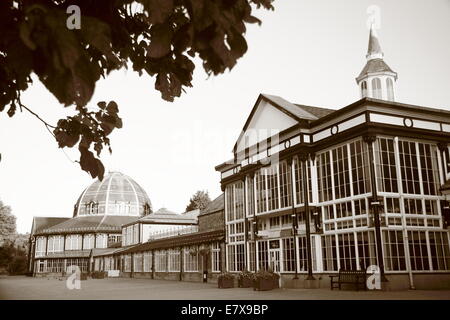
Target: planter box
98, 275
265, 284
225, 283
245, 283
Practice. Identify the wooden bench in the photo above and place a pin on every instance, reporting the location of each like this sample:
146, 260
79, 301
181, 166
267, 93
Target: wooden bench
355, 277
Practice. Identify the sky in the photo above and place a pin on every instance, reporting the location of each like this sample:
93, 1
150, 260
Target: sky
306, 51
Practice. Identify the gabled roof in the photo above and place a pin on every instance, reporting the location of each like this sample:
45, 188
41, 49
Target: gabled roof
218, 204
164, 216
299, 113
290, 108
41, 223
163, 211
89, 224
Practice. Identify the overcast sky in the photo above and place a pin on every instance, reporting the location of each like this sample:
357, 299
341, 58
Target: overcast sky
306, 51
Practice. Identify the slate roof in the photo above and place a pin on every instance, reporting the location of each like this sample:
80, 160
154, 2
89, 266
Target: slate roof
217, 204
289, 107
168, 217
317, 111
69, 254
182, 240
375, 65
107, 251
40, 223
89, 224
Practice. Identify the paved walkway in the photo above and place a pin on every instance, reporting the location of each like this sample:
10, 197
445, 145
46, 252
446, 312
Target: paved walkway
125, 288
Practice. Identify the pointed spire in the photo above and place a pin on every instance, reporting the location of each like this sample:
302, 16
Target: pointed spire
374, 49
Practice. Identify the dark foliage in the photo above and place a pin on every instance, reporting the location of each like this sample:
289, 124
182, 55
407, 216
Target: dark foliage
161, 39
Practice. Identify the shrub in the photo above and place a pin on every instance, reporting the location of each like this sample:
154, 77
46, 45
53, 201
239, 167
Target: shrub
226, 276
266, 275
246, 275
225, 280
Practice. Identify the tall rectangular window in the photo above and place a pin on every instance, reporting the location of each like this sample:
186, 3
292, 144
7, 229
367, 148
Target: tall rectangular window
285, 185
418, 250
147, 261
263, 255
236, 257
272, 184
341, 172
429, 169
137, 263
386, 170
408, 167
347, 255
161, 261
215, 257
360, 167
101, 241
440, 253
394, 253
250, 197
239, 200
190, 259
324, 177
261, 199
229, 192
366, 249
174, 260
288, 254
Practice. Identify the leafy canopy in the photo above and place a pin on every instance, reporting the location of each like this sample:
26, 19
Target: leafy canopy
7, 224
199, 200
160, 38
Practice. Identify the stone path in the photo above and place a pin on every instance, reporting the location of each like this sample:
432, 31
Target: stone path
125, 288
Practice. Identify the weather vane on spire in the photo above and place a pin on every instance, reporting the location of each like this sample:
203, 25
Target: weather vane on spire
374, 18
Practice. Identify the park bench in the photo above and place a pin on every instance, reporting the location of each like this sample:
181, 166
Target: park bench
355, 277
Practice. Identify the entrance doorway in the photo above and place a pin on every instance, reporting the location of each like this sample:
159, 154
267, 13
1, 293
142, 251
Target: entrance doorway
274, 255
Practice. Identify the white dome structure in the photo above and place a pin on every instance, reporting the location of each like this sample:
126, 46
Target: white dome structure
117, 195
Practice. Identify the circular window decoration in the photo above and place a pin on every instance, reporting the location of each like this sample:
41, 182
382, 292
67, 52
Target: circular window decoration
408, 122
334, 129
287, 144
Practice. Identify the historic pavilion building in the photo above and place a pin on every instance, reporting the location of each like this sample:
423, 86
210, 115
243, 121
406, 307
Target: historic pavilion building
109, 214
311, 191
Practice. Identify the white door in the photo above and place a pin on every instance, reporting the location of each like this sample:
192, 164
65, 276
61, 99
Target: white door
274, 260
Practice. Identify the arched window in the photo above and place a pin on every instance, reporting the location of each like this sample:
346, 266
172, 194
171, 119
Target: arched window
376, 88
363, 89
390, 89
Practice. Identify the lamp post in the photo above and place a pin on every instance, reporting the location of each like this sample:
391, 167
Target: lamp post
375, 205
304, 158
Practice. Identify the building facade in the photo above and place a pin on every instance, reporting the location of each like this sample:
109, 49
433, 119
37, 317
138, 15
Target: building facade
112, 214
190, 254
310, 191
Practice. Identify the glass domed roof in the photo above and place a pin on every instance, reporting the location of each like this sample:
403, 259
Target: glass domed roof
117, 194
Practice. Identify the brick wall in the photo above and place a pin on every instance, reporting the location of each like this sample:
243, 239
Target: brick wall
211, 221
